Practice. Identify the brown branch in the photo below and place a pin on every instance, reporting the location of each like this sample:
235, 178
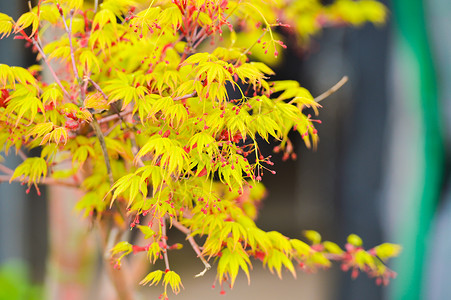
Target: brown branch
193, 94
95, 125
98, 131
194, 245
332, 90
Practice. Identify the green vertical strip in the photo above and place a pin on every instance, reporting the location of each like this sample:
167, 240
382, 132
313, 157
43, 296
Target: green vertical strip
411, 27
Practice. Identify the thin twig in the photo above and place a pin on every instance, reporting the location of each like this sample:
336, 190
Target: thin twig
194, 29
105, 96
165, 243
6, 170
102, 142
109, 130
200, 40
199, 254
55, 77
180, 227
46, 181
72, 56
193, 94
38, 44
113, 117
94, 123
69, 34
332, 90
97, 87
194, 245
245, 52
118, 113
135, 149
139, 263
22, 155
199, 34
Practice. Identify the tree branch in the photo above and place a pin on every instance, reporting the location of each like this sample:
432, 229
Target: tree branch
135, 149
245, 52
194, 245
105, 96
46, 181
22, 154
332, 90
139, 263
69, 34
97, 87
165, 243
6, 170
72, 56
120, 282
193, 94
111, 128
113, 117
96, 5
101, 139
55, 77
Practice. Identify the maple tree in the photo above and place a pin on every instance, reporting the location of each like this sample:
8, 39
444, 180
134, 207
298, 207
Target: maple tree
141, 108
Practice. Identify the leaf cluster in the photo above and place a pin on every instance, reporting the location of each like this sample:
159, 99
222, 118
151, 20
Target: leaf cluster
141, 119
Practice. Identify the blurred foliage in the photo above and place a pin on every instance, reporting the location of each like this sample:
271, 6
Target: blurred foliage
15, 283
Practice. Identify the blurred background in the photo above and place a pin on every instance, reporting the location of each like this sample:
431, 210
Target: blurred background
381, 170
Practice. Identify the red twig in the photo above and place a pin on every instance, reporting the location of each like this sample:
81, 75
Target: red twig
46, 181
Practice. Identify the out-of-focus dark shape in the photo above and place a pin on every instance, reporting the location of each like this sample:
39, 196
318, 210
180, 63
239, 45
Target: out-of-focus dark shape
416, 150
438, 260
23, 235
